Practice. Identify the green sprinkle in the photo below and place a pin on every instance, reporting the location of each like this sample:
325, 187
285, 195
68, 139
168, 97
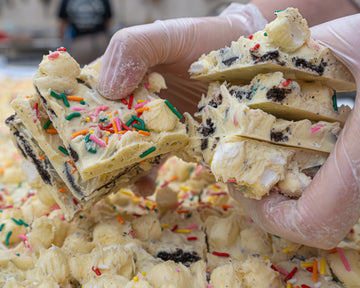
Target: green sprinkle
334, 99
147, 208
255, 89
7, 238
17, 254
276, 236
81, 217
192, 198
191, 170
92, 150
2, 226
87, 138
172, 108
114, 207
130, 122
139, 120
62, 149
72, 115
82, 102
48, 123
157, 183
18, 222
19, 185
57, 96
66, 102
102, 119
1, 211
140, 128
265, 34
147, 152
188, 215
278, 11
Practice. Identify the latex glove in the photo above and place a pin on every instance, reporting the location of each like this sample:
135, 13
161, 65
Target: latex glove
169, 47
330, 206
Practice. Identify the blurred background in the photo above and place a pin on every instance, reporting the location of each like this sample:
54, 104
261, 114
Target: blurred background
30, 28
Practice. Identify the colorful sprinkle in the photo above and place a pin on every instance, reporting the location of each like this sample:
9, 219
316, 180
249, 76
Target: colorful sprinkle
256, 47
316, 128
75, 98
191, 238
97, 140
2, 226
147, 152
343, 259
53, 55
220, 254
36, 108
62, 190
290, 275
61, 49
280, 270
19, 222
120, 219
97, 271
57, 96
82, 132
322, 267
141, 104
62, 149
131, 99
174, 228
251, 37
191, 226
7, 238
47, 124
286, 82
334, 99
99, 109
278, 11
315, 268
124, 101
173, 109
51, 131
65, 100
72, 115
183, 231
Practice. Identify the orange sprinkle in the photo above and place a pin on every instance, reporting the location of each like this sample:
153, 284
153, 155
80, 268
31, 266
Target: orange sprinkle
144, 133
141, 162
82, 132
73, 171
51, 131
133, 129
333, 251
315, 268
140, 110
183, 211
106, 140
27, 97
122, 132
225, 207
41, 157
121, 220
173, 178
62, 190
75, 98
208, 269
114, 126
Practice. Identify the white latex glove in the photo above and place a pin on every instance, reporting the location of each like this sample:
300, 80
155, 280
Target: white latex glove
169, 47
330, 206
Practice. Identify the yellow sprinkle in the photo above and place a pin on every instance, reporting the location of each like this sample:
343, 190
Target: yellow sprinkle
289, 249
128, 193
106, 132
165, 226
148, 203
102, 177
211, 198
179, 196
265, 257
184, 231
215, 188
306, 265
184, 188
136, 279
140, 101
135, 200
110, 116
87, 119
143, 273
91, 131
288, 285
322, 267
9, 199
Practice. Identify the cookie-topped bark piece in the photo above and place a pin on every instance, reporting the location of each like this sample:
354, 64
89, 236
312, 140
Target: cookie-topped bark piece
254, 166
284, 45
103, 135
285, 98
36, 123
227, 116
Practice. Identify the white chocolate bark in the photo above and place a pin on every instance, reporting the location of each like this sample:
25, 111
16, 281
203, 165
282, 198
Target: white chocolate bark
104, 152
254, 166
285, 98
83, 190
231, 117
284, 45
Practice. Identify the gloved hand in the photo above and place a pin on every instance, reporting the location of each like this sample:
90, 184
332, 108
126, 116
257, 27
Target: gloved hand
169, 47
330, 206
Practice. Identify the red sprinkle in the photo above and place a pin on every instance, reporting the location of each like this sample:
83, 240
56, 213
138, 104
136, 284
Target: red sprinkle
131, 100
305, 286
191, 238
124, 101
251, 36
53, 55
286, 82
125, 127
174, 228
352, 231
61, 49
291, 274
75, 202
97, 271
256, 47
220, 254
36, 108
310, 269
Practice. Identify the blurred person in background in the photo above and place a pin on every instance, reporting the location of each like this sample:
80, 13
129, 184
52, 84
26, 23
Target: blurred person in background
84, 27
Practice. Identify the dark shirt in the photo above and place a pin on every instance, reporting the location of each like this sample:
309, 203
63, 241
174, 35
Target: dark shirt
85, 16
